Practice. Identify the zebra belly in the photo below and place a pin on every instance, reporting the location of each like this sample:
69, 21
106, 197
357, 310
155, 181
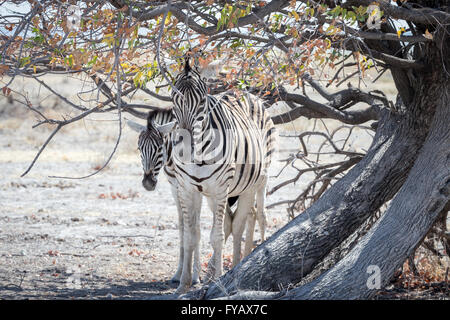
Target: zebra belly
246, 177
213, 180
207, 179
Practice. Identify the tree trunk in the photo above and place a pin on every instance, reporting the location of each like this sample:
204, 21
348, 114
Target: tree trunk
401, 229
293, 251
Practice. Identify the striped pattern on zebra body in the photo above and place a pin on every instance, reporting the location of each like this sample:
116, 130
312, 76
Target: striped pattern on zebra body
231, 145
156, 151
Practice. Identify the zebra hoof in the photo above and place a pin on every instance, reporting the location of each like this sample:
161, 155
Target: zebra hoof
181, 290
174, 280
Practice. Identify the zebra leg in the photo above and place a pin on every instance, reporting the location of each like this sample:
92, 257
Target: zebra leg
245, 203
197, 262
190, 202
177, 276
260, 209
251, 221
217, 236
228, 219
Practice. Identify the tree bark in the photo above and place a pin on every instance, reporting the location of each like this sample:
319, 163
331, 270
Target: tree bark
401, 229
293, 251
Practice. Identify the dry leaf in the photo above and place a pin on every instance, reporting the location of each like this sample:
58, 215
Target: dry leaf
428, 35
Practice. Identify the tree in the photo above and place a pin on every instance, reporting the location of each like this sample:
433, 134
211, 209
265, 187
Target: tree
273, 46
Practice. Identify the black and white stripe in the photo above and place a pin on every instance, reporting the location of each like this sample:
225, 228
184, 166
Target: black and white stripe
231, 143
156, 151
154, 146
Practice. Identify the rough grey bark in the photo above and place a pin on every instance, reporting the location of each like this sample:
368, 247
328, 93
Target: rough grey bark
401, 229
294, 250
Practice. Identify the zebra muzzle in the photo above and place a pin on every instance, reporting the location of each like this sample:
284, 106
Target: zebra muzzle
149, 182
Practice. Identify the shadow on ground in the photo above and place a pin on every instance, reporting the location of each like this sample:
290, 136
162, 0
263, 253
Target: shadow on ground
94, 287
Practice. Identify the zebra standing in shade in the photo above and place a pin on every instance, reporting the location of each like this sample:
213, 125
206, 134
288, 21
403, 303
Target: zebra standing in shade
231, 142
155, 146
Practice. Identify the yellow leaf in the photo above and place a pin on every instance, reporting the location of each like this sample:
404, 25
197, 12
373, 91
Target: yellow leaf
169, 14
330, 28
295, 14
374, 12
399, 32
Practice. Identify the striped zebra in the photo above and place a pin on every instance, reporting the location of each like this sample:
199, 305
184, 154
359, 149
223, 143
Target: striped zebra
230, 143
155, 146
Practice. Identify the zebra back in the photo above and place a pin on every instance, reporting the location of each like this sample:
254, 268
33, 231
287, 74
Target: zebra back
255, 108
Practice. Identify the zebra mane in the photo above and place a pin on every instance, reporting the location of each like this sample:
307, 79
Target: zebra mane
187, 67
151, 120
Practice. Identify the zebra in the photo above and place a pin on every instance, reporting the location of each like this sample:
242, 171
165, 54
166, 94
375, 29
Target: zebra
231, 145
154, 144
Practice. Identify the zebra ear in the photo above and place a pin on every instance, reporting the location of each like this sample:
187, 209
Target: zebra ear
136, 126
166, 128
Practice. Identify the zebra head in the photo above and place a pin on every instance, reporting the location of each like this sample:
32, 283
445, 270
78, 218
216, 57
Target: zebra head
189, 97
151, 147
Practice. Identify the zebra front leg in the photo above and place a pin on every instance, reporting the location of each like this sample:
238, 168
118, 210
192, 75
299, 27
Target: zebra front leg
217, 237
197, 262
190, 205
177, 276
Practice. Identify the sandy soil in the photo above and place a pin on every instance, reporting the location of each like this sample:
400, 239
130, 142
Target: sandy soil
105, 236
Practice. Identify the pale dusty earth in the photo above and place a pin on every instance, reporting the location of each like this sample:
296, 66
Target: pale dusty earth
104, 236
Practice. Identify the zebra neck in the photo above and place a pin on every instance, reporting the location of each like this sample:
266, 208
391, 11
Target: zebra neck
167, 149
210, 136
202, 124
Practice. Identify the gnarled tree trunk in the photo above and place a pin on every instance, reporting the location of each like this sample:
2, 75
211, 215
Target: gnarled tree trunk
295, 250
400, 230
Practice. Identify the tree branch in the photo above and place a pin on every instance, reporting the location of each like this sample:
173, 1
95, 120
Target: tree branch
426, 16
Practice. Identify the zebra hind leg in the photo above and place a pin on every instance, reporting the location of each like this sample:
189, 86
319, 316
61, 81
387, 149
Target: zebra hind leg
250, 231
227, 222
260, 210
245, 204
